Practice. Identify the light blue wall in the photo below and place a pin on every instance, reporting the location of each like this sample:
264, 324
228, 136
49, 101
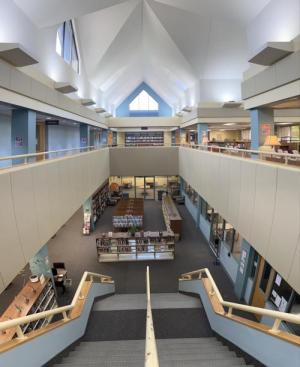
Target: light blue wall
123, 109
229, 263
5, 139
191, 207
268, 349
259, 117
201, 128
23, 133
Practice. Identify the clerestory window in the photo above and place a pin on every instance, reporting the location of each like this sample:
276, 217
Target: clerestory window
143, 102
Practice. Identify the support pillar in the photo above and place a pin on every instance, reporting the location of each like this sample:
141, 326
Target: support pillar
104, 137
202, 131
87, 208
84, 135
23, 133
262, 125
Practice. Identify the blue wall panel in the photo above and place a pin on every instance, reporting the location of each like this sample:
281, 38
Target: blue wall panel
123, 109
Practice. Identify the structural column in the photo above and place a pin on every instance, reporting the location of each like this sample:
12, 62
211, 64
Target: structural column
23, 133
84, 135
262, 125
202, 130
104, 137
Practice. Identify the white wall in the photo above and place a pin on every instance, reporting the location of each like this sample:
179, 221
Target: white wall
16, 27
145, 161
261, 200
220, 90
36, 200
5, 138
278, 22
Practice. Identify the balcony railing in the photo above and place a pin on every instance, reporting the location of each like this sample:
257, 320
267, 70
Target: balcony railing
266, 156
15, 160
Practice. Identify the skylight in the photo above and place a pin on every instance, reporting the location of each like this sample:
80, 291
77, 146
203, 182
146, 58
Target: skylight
143, 102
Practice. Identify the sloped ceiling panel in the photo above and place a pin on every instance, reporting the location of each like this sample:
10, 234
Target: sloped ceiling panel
240, 11
45, 13
98, 30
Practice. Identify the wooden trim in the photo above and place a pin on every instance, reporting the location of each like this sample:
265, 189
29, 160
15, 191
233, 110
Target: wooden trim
74, 314
219, 310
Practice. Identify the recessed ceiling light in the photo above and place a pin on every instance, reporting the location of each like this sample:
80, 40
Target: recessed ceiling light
229, 124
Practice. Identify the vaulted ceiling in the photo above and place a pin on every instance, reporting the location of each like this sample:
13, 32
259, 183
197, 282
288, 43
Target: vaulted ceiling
170, 44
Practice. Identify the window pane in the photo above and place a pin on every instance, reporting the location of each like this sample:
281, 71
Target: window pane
143, 102
68, 37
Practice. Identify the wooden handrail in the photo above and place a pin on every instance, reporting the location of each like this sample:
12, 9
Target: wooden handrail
278, 316
151, 357
18, 322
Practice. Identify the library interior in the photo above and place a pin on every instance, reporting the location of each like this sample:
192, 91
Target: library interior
150, 183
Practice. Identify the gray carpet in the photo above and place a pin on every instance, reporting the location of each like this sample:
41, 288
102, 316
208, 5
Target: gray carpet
79, 254
192, 252
131, 324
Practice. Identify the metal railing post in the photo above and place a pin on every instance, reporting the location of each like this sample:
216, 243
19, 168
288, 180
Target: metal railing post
276, 325
20, 333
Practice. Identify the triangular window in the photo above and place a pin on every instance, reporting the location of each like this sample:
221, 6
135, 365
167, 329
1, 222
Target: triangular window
143, 102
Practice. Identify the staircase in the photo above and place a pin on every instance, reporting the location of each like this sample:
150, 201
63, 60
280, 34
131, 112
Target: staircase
171, 311
200, 352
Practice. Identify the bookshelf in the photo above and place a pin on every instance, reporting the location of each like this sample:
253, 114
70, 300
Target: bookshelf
129, 213
154, 138
121, 246
99, 201
171, 215
33, 298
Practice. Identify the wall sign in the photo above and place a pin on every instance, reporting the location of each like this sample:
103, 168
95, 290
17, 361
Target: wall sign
19, 141
243, 261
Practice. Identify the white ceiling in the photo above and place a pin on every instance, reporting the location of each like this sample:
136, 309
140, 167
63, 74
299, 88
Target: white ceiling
170, 44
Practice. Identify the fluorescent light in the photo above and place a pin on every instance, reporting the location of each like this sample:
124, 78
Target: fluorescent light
229, 124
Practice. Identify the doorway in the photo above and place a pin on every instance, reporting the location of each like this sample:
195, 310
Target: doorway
144, 187
40, 140
263, 283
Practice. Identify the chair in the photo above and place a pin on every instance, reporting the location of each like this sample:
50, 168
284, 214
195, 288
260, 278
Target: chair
58, 280
60, 268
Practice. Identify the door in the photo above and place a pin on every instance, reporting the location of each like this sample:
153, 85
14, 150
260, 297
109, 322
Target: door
216, 233
263, 283
40, 140
150, 188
